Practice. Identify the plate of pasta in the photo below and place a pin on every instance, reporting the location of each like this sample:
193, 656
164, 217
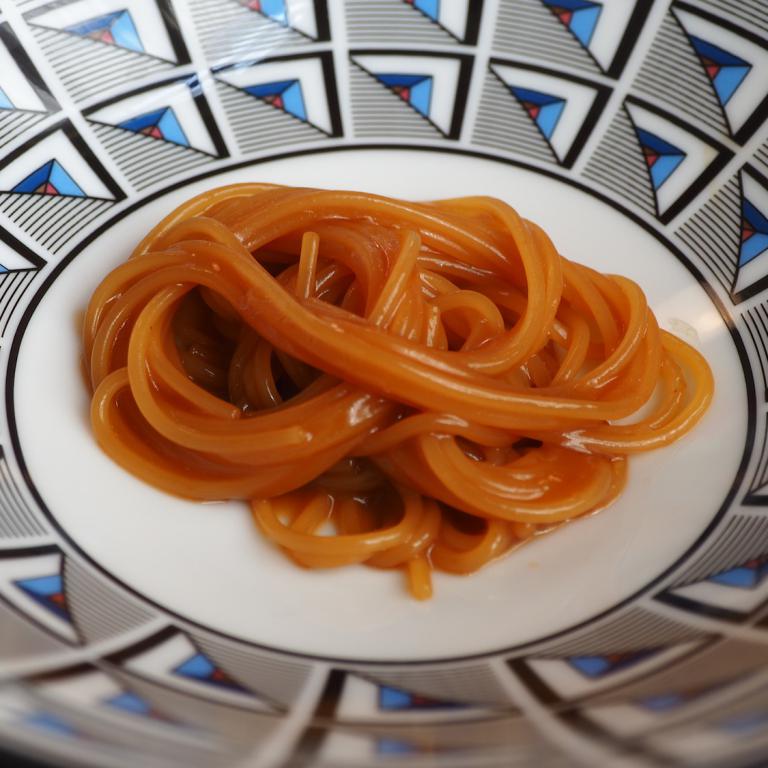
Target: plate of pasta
385, 383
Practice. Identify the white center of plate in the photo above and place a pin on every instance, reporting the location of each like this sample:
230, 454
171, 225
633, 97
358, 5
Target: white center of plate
207, 562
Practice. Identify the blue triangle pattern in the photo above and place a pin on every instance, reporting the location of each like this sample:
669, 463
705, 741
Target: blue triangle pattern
282, 94
47, 721
669, 702
543, 108
745, 724
416, 90
430, 8
49, 179
661, 157
116, 28
746, 576
666, 702
754, 233
272, 9
389, 746
578, 16
5, 102
200, 668
600, 666
726, 71
160, 124
130, 702
395, 699
47, 591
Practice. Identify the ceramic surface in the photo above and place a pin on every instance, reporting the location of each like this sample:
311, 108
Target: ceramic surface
139, 629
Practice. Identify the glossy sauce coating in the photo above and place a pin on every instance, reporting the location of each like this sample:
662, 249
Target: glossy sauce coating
406, 385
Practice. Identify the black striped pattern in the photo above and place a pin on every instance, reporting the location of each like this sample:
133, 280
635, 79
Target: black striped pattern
761, 156
146, 160
99, 609
17, 518
528, 28
753, 14
233, 729
751, 745
510, 742
382, 21
15, 122
230, 31
109, 737
473, 684
741, 540
618, 165
145, 741
378, 111
672, 73
755, 320
20, 639
503, 124
48, 749
634, 630
52, 220
13, 286
713, 234
89, 67
760, 480
278, 679
259, 126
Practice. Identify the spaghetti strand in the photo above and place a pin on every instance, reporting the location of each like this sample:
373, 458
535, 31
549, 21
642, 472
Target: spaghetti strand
415, 386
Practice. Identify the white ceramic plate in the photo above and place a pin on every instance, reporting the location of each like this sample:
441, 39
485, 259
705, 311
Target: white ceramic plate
139, 629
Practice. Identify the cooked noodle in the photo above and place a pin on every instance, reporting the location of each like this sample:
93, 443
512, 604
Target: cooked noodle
406, 385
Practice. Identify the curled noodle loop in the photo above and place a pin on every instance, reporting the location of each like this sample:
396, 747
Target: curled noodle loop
430, 383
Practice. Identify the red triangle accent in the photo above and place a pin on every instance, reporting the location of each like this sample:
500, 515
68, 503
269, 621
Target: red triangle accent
713, 71
403, 92
650, 156
275, 100
58, 598
255, 5
106, 37
50, 189
746, 232
565, 17
153, 131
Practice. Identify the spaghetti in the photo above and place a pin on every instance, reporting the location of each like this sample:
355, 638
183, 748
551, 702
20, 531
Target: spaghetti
416, 386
